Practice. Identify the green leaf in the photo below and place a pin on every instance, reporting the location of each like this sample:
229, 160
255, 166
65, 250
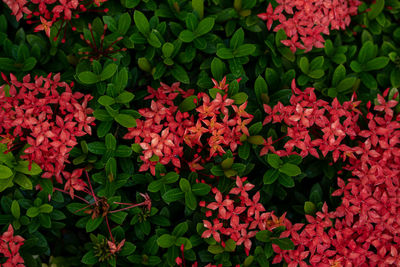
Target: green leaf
88, 77
201, 189
309, 207
111, 142
286, 181
106, 100
237, 39
198, 7
346, 84
125, 97
204, 26
153, 40
167, 49
46, 208
304, 65
264, 236
7, 64
93, 224
244, 50
108, 71
215, 249
183, 241
125, 120
217, 68
244, 151
141, 22
338, 75
29, 64
284, 243
89, 258
172, 195
190, 200
274, 160
395, 78
118, 217
376, 9
230, 245
225, 53
124, 22
5, 172
316, 74
186, 36
366, 52
102, 115
290, 169
166, 241
270, 176
170, 177
188, 104
240, 98
376, 63
256, 140
32, 212
23, 181
180, 229
123, 151
184, 185
180, 74
23, 166
155, 186
15, 209
97, 148
260, 87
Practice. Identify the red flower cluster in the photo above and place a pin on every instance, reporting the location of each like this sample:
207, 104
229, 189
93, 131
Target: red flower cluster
237, 216
9, 247
212, 128
48, 12
49, 121
308, 19
363, 230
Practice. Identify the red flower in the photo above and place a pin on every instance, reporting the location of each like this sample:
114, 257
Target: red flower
9, 247
212, 230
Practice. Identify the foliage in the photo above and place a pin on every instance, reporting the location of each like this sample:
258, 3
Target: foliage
185, 132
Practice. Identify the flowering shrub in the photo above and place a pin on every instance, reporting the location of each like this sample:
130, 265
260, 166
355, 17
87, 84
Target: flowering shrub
9, 247
37, 114
50, 12
218, 126
352, 234
188, 133
305, 21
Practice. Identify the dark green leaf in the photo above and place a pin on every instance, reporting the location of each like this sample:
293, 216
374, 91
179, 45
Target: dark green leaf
180, 74
5, 172
274, 160
284, 243
141, 22
166, 241
88, 77
201, 189
204, 26
290, 169
125, 120
108, 71
188, 104
173, 195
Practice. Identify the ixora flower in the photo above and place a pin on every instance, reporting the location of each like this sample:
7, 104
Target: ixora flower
48, 116
362, 231
49, 12
304, 21
209, 128
9, 247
